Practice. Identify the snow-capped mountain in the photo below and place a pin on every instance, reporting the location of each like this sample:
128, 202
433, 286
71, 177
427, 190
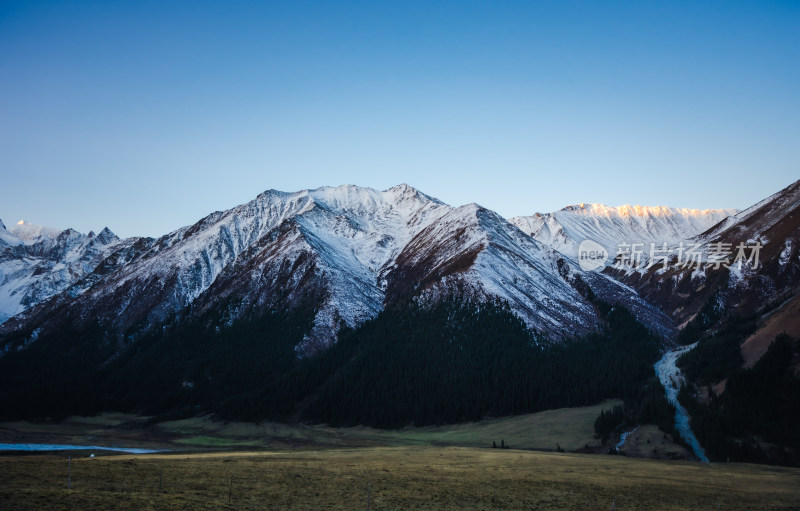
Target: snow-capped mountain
340, 236
6, 238
328, 246
29, 233
38, 262
475, 250
772, 224
564, 230
346, 252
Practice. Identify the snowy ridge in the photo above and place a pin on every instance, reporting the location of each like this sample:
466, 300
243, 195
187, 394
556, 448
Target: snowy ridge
772, 225
351, 232
788, 198
29, 233
564, 230
516, 268
6, 238
479, 253
752, 223
355, 233
344, 251
43, 265
344, 234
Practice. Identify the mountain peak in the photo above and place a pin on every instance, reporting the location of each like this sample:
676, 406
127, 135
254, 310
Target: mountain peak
106, 236
403, 189
29, 232
636, 210
611, 226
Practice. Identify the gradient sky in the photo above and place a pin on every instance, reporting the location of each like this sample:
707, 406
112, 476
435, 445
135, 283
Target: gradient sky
146, 116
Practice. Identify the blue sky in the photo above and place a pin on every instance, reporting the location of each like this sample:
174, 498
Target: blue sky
145, 116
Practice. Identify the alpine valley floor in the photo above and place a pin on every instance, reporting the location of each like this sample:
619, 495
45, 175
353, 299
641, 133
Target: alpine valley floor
380, 478
233, 465
570, 429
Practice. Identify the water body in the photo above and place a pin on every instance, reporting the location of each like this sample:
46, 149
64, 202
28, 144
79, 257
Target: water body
672, 380
624, 437
67, 447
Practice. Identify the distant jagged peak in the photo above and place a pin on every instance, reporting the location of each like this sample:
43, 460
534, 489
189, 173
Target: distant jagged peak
403, 188
405, 191
24, 232
587, 208
69, 232
106, 236
2, 226
628, 210
29, 232
272, 192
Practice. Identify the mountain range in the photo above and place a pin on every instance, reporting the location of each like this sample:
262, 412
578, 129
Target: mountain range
348, 251
770, 227
350, 305
37, 262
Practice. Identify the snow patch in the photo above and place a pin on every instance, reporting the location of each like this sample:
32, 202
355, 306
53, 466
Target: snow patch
564, 230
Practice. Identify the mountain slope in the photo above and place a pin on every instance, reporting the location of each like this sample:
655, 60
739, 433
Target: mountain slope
39, 265
564, 230
29, 233
774, 223
6, 238
477, 252
349, 232
345, 252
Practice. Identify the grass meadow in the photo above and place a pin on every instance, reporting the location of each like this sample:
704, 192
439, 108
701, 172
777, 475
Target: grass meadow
272, 466
412, 477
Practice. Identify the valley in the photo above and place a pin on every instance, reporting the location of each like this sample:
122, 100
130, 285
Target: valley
571, 429
384, 478
397, 319
443, 255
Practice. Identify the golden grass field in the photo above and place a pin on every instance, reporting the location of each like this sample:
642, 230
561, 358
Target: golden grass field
234, 465
412, 477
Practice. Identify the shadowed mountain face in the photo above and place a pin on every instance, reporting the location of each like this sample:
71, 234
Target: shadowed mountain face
439, 314
348, 251
772, 224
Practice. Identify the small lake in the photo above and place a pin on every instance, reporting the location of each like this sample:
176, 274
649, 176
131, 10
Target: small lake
67, 447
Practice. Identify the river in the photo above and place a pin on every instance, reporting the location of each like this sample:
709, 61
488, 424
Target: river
672, 380
67, 447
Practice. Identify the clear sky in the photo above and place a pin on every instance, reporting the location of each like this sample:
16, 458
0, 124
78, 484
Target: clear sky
146, 116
